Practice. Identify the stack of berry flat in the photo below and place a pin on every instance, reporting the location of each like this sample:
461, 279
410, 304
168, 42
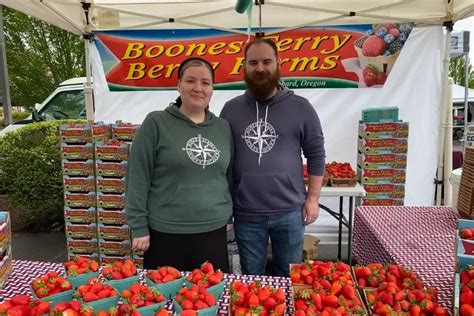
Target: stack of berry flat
466, 188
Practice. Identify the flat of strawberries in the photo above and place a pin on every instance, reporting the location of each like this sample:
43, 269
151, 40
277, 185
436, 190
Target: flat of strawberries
256, 298
466, 297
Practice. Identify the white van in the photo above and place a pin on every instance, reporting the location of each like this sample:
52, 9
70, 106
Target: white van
66, 102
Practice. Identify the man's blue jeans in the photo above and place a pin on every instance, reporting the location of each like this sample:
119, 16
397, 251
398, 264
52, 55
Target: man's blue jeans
286, 234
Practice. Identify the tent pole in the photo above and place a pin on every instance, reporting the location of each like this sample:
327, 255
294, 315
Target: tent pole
466, 94
448, 143
440, 169
88, 86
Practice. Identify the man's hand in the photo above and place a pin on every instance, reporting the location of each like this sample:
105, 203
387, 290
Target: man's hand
141, 243
310, 211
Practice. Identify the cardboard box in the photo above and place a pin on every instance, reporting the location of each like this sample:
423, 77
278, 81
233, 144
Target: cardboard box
80, 216
124, 131
386, 161
381, 176
80, 200
310, 247
93, 256
110, 185
384, 191
77, 151
114, 233
383, 146
111, 169
75, 133
383, 130
79, 184
382, 202
5, 231
104, 259
112, 150
82, 246
115, 248
5, 266
111, 217
111, 201
75, 231
78, 168
100, 132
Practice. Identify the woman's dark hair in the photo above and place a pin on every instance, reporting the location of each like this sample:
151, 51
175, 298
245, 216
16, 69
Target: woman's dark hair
190, 62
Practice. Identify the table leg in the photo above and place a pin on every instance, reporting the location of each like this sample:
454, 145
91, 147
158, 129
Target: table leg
341, 218
349, 238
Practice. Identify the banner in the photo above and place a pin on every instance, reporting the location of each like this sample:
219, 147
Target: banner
313, 57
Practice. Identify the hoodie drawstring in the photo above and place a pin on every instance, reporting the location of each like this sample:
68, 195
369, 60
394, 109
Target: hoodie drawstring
259, 132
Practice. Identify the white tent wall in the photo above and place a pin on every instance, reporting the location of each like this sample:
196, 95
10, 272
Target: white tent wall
414, 86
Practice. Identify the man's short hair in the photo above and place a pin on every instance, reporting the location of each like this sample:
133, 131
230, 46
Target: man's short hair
260, 41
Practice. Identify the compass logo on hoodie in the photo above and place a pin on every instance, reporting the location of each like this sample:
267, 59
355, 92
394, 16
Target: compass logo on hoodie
260, 137
202, 151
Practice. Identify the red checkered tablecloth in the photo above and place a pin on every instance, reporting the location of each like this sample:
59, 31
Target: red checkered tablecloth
23, 272
419, 238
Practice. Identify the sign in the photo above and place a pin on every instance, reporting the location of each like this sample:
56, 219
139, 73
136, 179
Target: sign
459, 43
313, 57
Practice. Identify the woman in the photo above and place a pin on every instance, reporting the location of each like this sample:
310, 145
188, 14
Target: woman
178, 199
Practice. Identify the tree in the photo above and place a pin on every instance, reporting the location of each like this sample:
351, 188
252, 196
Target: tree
39, 56
457, 71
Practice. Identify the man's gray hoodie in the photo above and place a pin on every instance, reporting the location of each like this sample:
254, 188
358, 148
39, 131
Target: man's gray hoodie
268, 168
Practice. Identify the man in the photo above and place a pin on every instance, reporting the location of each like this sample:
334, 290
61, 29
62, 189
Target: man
271, 126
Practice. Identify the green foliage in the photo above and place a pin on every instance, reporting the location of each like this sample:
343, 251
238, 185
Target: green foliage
30, 171
17, 116
39, 56
457, 67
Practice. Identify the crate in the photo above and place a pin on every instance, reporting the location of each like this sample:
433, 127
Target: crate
343, 182
385, 114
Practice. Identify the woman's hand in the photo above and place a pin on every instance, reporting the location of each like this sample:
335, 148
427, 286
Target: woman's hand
141, 243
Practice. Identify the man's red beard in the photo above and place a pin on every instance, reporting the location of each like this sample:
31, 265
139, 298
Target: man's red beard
262, 84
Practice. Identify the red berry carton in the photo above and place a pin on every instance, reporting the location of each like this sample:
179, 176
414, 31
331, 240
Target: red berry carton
383, 146
383, 130
82, 246
114, 233
80, 216
80, 200
77, 151
111, 217
381, 176
382, 202
112, 150
111, 169
79, 184
111, 201
115, 248
110, 185
124, 131
75, 231
100, 132
385, 191
387, 161
75, 133
78, 168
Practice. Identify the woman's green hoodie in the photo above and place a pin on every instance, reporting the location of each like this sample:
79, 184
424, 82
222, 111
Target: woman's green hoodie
177, 174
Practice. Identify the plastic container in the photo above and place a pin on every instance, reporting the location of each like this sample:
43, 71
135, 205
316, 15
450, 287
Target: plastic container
65, 296
104, 304
210, 311
82, 279
123, 284
455, 180
151, 309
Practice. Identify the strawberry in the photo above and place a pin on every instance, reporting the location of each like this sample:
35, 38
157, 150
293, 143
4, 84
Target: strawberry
89, 297
370, 76
381, 77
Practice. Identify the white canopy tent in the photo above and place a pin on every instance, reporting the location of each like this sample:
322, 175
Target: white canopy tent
83, 17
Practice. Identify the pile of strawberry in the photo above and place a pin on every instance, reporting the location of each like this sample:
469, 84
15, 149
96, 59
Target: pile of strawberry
340, 170
163, 275
205, 276
94, 290
141, 296
256, 299
467, 233
388, 299
194, 298
81, 265
24, 305
50, 284
72, 308
310, 271
466, 298
119, 270
373, 274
